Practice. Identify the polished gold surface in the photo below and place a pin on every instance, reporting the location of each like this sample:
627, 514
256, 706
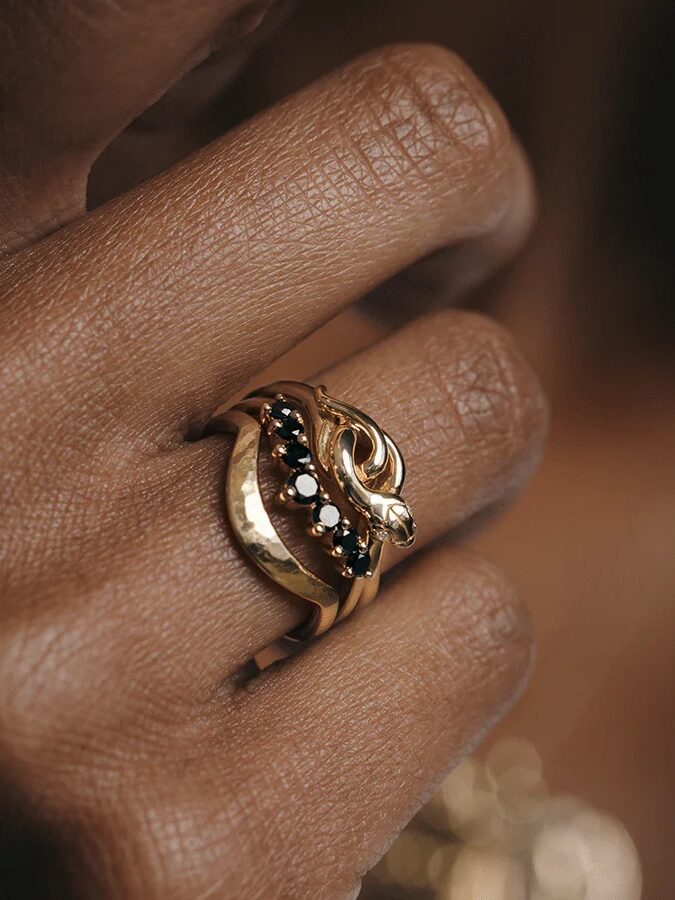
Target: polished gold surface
354, 463
258, 536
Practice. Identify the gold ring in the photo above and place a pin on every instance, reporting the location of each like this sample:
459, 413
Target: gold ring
335, 458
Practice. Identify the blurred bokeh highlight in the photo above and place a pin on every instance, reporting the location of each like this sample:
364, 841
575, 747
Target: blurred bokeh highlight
496, 831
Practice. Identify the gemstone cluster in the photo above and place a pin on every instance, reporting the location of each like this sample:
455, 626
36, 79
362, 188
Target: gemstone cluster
303, 487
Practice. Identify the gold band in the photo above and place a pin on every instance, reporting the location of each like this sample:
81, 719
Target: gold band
335, 457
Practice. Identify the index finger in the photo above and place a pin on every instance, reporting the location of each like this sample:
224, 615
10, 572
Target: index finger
190, 284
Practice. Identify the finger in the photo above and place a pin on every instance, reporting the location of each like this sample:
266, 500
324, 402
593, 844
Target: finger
172, 603
223, 263
449, 275
192, 112
336, 749
469, 417
100, 65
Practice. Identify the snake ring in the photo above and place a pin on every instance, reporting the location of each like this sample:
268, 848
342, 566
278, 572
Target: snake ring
343, 470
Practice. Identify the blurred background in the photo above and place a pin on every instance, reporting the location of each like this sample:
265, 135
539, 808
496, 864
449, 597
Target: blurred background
572, 798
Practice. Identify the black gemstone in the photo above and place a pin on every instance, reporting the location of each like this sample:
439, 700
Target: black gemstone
347, 539
289, 428
280, 410
359, 563
306, 487
297, 456
326, 514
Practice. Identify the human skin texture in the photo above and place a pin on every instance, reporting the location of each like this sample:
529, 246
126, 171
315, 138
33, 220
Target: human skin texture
590, 301
128, 747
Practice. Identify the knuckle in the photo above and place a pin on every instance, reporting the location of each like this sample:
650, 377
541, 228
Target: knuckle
432, 115
495, 622
496, 400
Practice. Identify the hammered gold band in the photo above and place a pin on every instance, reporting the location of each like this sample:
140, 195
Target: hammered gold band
335, 458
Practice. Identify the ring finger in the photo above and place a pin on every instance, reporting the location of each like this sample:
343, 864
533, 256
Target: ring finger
348, 738
469, 416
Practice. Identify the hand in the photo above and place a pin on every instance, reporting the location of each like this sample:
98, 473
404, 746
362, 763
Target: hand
127, 748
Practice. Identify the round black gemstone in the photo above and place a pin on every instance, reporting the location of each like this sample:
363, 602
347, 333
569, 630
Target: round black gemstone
297, 456
289, 428
280, 410
326, 514
347, 539
306, 487
359, 563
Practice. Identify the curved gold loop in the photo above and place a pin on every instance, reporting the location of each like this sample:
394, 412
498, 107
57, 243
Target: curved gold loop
256, 533
322, 442
376, 462
373, 486
389, 517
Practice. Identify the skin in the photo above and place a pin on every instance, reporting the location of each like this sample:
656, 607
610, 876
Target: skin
133, 760
590, 301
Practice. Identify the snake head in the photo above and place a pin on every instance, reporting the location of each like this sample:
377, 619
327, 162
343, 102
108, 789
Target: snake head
396, 524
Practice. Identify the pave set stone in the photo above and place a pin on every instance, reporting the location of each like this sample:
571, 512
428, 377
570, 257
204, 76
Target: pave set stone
304, 488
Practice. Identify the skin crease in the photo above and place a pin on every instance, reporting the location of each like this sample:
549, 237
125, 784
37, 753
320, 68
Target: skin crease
590, 300
567, 76
132, 763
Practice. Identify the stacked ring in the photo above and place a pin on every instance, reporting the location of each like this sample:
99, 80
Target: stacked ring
334, 456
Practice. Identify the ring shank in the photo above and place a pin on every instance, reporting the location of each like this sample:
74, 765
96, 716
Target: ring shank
258, 536
254, 529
